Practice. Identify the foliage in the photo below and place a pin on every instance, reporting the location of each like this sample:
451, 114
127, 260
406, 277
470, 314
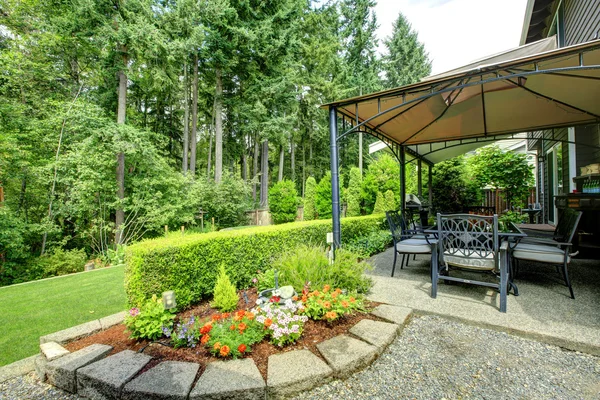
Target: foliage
382, 175
331, 304
116, 256
510, 217
283, 201
353, 196
310, 265
380, 206
147, 321
265, 279
452, 189
373, 243
187, 264
389, 201
283, 324
185, 333
62, 262
232, 335
225, 294
323, 197
13, 249
310, 210
503, 169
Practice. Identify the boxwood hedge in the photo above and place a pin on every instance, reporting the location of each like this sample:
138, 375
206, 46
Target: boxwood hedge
189, 264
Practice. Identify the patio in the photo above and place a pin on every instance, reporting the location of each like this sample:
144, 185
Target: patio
543, 311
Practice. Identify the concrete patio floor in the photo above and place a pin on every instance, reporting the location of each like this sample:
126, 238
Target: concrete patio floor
543, 311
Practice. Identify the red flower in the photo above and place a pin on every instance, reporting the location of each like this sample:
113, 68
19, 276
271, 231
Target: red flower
240, 314
205, 339
275, 299
215, 317
242, 348
225, 315
206, 328
224, 352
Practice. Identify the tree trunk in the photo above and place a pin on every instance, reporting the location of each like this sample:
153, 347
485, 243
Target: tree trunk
210, 145
186, 120
244, 165
121, 108
303, 166
264, 179
281, 156
293, 159
360, 152
255, 167
194, 138
218, 127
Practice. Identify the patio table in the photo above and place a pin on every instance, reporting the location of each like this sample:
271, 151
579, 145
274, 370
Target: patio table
532, 212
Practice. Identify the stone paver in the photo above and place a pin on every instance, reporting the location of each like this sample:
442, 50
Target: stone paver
294, 371
396, 314
17, 368
168, 380
112, 320
62, 371
52, 350
379, 334
347, 355
239, 379
74, 333
105, 379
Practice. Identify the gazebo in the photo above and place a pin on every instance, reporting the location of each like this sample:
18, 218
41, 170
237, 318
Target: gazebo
533, 87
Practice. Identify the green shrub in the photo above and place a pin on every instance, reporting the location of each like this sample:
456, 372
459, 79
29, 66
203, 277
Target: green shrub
353, 195
373, 243
389, 201
266, 279
310, 211
188, 264
323, 197
383, 174
225, 295
310, 265
283, 201
147, 322
379, 207
62, 262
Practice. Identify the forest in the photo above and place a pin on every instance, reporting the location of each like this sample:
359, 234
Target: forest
119, 118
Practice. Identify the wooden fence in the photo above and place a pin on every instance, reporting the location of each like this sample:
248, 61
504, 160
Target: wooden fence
494, 198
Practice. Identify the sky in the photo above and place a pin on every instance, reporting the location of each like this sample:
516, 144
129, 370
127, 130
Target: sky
456, 32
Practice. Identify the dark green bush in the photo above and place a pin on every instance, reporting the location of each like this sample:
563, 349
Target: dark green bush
62, 262
283, 201
189, 264
373, 243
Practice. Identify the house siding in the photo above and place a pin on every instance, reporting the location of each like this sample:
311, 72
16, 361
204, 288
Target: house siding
581, 21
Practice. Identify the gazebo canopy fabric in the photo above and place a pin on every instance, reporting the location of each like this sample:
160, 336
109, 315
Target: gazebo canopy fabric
511, 92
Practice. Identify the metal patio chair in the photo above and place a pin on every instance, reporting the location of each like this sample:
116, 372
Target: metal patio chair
551, 251
406, 241
470, 242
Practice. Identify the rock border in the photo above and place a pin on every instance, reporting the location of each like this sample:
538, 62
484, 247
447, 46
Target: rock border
244, 381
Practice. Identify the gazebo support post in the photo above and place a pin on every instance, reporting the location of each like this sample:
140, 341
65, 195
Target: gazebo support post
430, 186
402, 179
335, 179
420, 178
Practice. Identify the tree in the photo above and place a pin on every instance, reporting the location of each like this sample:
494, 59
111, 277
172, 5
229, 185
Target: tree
353, 194
323, 197
452, 190
283, 200
310, 210
406, 60
383, 174
379, 207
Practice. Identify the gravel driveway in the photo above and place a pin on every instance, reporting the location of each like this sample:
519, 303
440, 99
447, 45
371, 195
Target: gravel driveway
435, 358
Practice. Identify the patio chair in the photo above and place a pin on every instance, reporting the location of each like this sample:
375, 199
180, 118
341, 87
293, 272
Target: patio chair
406, 242
470, 242
551, 251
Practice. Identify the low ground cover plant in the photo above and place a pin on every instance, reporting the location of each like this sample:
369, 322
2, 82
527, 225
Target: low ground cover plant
149, 320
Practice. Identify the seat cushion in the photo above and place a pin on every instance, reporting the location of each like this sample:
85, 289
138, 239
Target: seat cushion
413, 246
540, 252
459, 258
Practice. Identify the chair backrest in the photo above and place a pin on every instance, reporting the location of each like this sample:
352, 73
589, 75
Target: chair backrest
567, 225
397, 225
468, 239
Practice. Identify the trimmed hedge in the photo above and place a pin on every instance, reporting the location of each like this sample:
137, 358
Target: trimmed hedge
189, 264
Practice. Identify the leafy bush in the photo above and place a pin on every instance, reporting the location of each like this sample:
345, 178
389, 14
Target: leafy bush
225, 295
147, 322
323, 197
310, 211
62, 262
266, 279
382, 175
389, 201
310, 265
379, 207
353, 196
13, 249
452, 190
510, 216
188, 264
186, 333
331, 304
116, 256
373, 243
283, 201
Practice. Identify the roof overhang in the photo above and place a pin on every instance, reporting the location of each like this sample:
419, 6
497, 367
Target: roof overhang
507, 93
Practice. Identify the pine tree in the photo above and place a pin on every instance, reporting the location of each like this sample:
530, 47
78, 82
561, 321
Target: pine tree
389, 201
353, 194
309, 199
406, 60
225, 297
379, 207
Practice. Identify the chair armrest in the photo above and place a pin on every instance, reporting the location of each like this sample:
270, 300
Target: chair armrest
504, 246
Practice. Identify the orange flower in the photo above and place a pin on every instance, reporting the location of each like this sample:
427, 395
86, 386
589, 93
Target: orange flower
331, 315
338, 290
224, 352
316, 293
345, 304
241, 327
327, 305
352, 299
268, 322
242, 348
225, 315
205, 339
217, 346
249, 315
334, 295
206, 328
236, 318
240, 313
304, 299
215, 317
326, 288
295, 298
232, 327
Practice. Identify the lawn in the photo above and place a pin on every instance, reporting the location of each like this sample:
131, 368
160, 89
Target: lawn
34, 309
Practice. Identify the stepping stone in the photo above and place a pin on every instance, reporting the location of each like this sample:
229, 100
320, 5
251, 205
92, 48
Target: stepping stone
73, 333
62, 371
104, 379
379, 334
168, 380
52, 350
395, 314
347, 355
237, 379
295, 371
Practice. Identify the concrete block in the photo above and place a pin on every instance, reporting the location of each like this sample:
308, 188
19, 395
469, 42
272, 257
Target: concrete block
239, 379
52, 350
346, 355
112, 320
18, 368
74, 333
396, 314
295, 371
171, 380
40, 363
105, 379
379, 334
62, 371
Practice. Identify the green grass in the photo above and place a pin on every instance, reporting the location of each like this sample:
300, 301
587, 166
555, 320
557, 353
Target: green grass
34, 309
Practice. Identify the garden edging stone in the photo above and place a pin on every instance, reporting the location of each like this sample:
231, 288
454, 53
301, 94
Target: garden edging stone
239, 379
379, 334
168, 380
82, 330
347, 355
